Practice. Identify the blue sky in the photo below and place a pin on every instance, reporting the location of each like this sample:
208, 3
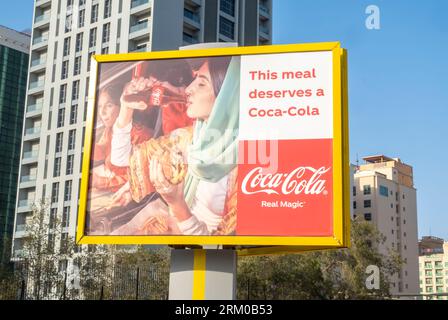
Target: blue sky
398, 81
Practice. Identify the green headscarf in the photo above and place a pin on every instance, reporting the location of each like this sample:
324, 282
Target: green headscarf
213, 153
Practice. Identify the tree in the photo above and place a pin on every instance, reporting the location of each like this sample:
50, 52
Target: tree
331, 274
38, 259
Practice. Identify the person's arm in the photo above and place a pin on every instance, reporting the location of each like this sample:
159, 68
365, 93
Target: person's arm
121, 145
174, 197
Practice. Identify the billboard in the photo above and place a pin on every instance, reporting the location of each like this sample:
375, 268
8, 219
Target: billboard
239, 146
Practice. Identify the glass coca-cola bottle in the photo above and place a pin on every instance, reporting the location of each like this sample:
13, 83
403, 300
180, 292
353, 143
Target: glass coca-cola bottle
157, 95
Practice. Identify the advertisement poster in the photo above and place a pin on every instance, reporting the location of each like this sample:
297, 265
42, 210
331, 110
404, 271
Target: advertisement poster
214, 146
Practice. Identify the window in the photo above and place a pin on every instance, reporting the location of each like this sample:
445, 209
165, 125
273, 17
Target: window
64, 72
65, 217
428, 280
61, 117
59, 142
368, 216
107, 9
106, 32
439, 280
428, 273
384, 191
396, 196
68, 22
75, 90
81, 18
68, 190
367, 189
439, 289
105, 50
73, 113
397, 209
87, 87
94, 15
69, 169
57, 167
354, 204
367, 203
71, 139
439, 273
403, 196
50, 244
64, 240
92, 38
77, 67
226, 27
78, 47
55, 192
66, 46
63, 93
52, 220
428, 265
228, 6
354, 191
82, 2
428, 289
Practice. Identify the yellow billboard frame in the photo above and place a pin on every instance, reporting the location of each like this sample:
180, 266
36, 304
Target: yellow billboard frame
341, 206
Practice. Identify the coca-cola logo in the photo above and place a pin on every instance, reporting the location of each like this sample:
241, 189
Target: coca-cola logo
156, 96
302, 180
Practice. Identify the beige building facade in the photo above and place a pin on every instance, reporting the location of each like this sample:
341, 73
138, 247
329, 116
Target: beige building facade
433, 268
384, 193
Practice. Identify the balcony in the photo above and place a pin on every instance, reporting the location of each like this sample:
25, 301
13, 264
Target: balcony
144, 49
194, 3
24, 206
40, 43
30, 157
188, 39
140, 6
37, 65
36, 87
21, 228
42, 20
32, 134
265, 13
43, 3
137, 3
27, 181
264, 32
34, 110
192, 20
139, 30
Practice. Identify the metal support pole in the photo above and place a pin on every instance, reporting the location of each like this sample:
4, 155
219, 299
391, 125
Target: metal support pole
203, 274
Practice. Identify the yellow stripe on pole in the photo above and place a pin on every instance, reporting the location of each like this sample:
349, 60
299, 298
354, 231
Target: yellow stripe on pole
199, 274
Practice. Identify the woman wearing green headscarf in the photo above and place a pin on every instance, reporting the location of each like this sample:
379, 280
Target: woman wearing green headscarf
197, 205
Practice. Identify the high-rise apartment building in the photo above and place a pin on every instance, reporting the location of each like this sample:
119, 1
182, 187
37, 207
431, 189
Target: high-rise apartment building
65, 34
14, 56
433, 267
384, 193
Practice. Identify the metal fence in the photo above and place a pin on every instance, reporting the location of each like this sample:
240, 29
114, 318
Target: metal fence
143, 282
